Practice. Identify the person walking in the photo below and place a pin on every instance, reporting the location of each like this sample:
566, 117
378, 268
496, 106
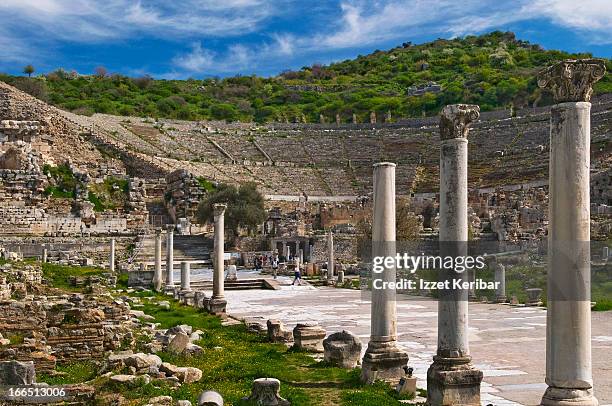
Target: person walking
274, 263
297, 274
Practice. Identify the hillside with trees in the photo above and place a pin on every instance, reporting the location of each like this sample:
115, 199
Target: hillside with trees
495, 71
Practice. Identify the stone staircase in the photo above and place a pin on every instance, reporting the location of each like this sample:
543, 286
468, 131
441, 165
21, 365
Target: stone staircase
241, 284
193, 248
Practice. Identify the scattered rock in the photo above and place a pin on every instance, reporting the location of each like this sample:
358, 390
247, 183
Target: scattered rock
210, 398
277, 332
266, 392
342, 349
17, 373
123, 378
309, 337
142, 361
179, 343
161, 401
188, 374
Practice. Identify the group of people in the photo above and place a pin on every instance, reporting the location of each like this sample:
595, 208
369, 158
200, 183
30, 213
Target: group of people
259, 261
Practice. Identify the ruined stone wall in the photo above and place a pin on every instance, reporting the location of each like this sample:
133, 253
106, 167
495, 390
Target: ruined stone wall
183, 194
345, 248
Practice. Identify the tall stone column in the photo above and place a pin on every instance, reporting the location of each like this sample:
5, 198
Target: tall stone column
330, 256
217, 303
170, 256
568, 325
382, 359
112, 255
157, 275
185, 275
452, 379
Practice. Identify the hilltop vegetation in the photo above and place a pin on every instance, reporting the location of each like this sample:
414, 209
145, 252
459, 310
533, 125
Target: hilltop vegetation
494, 70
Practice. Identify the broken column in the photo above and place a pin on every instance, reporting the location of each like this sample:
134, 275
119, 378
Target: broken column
185, 276
266, 391
170, 256
157, 274
330, 256
568, 325
112, 255
452, 379
382, 359
46, 253
217, 302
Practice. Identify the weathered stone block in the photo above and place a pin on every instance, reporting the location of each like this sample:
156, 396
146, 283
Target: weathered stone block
309, 337
342, 349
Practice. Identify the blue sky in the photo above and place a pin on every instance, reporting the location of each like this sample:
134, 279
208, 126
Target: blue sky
200, 38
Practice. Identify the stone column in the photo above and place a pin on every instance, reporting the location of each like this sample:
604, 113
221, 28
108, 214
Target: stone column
185, 276
45, 254
382, 359
112, 255
170, 256
452, 379
568, 325
157, 275
217, 303
330, 256
500, 278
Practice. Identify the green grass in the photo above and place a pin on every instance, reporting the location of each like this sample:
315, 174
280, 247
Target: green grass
602, 305
233, 358
74, 372
59, 275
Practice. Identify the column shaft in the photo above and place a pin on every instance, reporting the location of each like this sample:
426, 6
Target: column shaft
453, 310
185, 275
452, 379
330, 256
157, 275
568, 322
112, 255
219, 251
170, 257
383, 360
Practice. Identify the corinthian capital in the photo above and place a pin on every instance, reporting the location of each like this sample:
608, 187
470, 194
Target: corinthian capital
455, 120
572, 80
219, 209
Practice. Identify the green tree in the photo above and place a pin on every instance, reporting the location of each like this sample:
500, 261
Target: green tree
245, 208
28, 70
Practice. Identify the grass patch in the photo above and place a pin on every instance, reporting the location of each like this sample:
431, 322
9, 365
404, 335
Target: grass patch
74, 372
602, 305
59, 275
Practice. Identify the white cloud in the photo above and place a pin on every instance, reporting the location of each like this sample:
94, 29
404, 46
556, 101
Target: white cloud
30, 26
365, 23
91, 20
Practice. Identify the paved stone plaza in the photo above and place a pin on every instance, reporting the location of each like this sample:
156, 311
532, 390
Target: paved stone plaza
507, 343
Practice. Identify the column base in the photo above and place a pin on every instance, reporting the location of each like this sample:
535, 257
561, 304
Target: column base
501, 299
568, 397
383, 361
453, 381
217, 306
